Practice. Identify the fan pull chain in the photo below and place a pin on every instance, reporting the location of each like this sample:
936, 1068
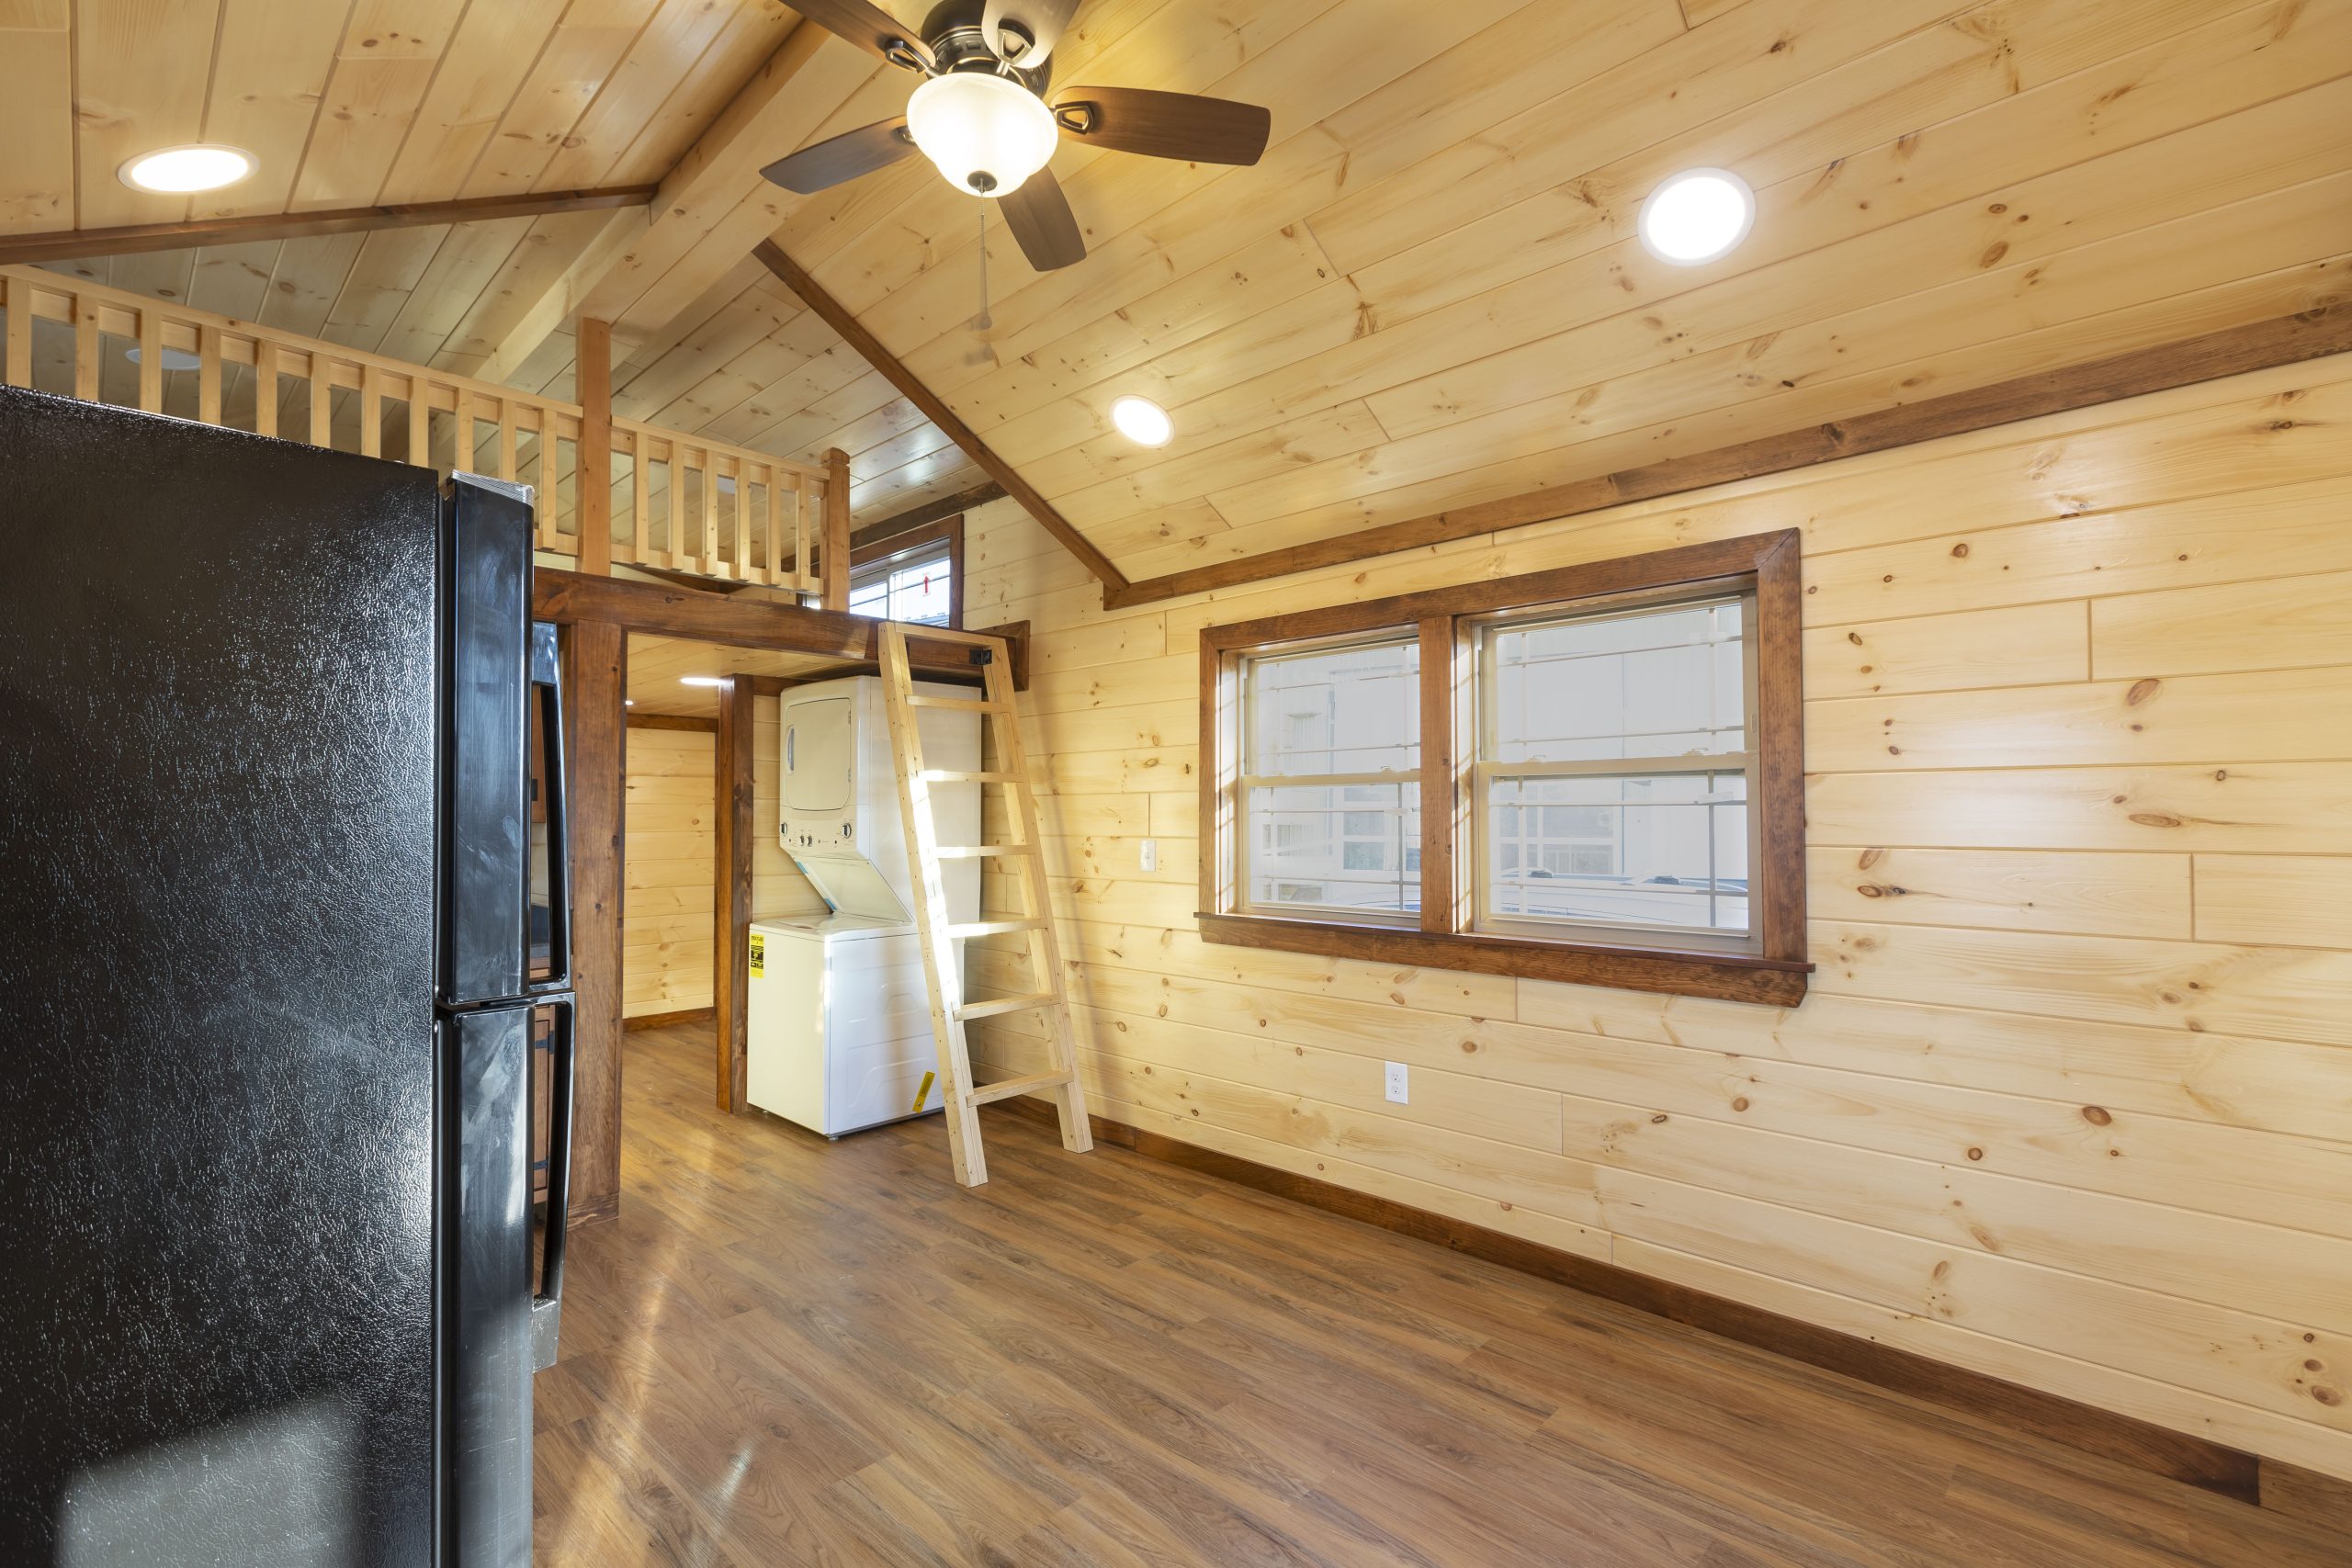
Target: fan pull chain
983, 321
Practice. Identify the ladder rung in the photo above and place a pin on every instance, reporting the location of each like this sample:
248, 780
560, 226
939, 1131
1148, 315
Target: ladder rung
954, 705
948, 775
996, 928
976, 852
995, 1005
1005, 1088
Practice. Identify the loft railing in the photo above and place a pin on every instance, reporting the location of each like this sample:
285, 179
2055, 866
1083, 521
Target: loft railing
677, 501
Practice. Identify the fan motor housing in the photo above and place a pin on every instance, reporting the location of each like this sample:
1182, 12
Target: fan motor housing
953, 34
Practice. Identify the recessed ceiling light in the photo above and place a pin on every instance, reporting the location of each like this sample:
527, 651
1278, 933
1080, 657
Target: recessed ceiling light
1697, 216
176, 171
1142, 422
702, 680
173, 358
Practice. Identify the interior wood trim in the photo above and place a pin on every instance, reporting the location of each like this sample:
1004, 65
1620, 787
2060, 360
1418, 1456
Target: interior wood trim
672, 721
2145, 1446
2259, 345
132, 239
914, 517
1441, 619
731, 879
869, 348
833, 554
667, 1019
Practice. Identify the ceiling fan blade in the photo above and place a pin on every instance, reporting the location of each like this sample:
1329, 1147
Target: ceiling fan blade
840, 159
1164, 125
1023, 32
872, 28
1039, 216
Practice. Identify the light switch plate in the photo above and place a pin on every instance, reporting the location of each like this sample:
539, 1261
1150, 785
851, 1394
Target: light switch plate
1149, 854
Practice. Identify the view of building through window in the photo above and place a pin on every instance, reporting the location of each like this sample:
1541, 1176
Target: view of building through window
1331, 754
915, 588
1611, 764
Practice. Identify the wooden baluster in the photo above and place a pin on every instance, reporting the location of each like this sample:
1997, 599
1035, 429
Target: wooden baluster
371, 412
265, 386
710, 562
767, 521
85, 348
800, 577
20, 297
322, 402
461, 455
208, 374
150, 360
640, 495
420, 420
506, 439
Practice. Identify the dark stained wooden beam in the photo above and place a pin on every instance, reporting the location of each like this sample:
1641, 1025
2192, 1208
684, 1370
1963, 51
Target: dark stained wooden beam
69, 244
731, 882
2259, 345
595, 657
852, 332
672, 721
930, 512
593, 479
661, 610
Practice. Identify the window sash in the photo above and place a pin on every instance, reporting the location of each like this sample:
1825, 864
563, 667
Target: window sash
1406, 782
1484, 771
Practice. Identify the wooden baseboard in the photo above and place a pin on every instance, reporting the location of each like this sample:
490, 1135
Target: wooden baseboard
2248, 1478
665, 1020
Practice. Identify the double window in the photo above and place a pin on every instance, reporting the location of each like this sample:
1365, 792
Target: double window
1585, 774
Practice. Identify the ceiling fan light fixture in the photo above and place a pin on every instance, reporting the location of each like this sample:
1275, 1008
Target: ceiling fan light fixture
986, 133
1697, 216
1142, 422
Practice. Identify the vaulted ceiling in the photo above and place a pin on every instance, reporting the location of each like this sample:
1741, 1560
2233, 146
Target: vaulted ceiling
1428, 294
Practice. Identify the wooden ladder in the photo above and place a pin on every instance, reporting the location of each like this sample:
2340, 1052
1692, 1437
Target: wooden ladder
949, 1010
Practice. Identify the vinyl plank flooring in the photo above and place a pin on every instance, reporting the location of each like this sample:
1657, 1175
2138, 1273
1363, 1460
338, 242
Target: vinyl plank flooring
788, 1351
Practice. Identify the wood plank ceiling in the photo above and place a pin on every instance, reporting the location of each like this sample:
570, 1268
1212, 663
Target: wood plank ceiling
1429, 293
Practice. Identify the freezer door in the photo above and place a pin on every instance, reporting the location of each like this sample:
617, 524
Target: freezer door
485, 771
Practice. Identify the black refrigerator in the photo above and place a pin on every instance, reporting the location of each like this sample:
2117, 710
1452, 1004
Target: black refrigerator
283, 888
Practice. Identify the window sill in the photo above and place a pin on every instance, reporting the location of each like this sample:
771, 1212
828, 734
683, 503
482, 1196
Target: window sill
1737, 977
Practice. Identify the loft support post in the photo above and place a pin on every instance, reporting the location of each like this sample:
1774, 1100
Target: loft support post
596, 672
731, 895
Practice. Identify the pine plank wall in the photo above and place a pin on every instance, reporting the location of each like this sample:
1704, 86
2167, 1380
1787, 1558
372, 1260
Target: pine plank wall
2071, 1099
669, 851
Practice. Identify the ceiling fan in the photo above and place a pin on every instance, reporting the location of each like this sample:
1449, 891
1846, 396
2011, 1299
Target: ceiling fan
982, 115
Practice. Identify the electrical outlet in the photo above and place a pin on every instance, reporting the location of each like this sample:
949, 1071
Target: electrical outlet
1397, 1091
1149, 854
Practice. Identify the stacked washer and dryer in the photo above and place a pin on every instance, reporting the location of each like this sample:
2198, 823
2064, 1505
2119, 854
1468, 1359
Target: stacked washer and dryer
839, 1021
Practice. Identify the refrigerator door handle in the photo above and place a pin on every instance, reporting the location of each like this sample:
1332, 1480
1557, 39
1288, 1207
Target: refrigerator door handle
546, 1304
546, 689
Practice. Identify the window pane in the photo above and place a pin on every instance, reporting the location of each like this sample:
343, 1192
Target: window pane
1318, 850
914, 591
1663, 683
1348, 710
1668, 850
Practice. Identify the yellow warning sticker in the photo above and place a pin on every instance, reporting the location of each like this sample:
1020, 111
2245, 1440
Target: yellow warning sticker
924, 1093
759, 955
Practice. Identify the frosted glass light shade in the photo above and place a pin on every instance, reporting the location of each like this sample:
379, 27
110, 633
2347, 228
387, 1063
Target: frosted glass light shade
1697, 216
986, 133
174, 171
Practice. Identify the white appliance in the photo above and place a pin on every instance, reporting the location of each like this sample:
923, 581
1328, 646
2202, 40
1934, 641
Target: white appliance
839, 1020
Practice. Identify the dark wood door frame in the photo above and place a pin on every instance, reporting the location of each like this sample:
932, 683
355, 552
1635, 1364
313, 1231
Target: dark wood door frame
731, 895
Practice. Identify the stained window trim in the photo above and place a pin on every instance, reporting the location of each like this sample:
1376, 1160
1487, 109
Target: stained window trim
1769, 966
